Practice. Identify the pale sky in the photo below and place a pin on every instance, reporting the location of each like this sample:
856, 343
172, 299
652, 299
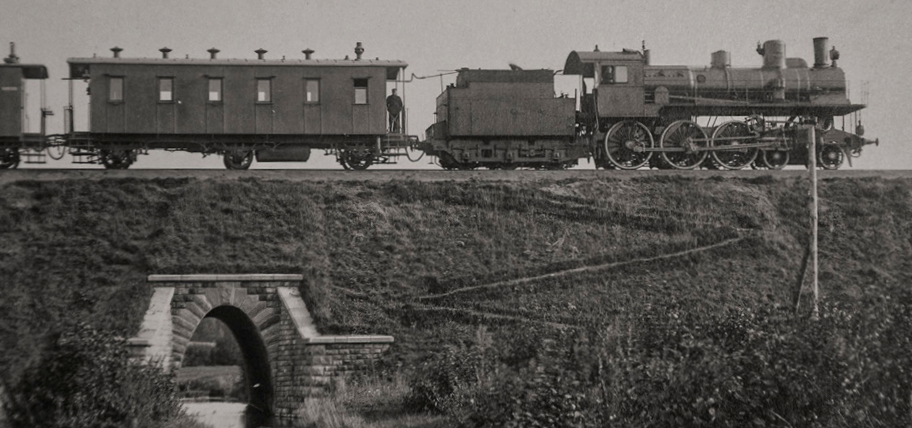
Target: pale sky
873, 37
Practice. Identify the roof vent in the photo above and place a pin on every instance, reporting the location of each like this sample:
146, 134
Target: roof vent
260, 52
307, 53
116, 51
212, 53
358, 51
164, 52
12, 58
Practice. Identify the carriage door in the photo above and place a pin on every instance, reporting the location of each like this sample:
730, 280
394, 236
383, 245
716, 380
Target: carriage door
620, 89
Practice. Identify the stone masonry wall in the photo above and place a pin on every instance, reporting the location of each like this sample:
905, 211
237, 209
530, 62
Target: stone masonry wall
306, 366
302, 363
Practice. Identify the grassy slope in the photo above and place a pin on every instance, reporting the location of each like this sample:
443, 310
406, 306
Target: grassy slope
79, 250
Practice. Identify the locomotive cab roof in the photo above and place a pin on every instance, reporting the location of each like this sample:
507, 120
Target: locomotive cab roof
583, 63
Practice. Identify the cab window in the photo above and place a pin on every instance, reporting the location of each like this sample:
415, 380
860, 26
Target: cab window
614, 74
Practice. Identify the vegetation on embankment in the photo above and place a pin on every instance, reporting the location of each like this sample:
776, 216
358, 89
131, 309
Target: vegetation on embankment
431, 262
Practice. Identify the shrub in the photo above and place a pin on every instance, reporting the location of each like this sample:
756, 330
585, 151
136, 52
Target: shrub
86, 379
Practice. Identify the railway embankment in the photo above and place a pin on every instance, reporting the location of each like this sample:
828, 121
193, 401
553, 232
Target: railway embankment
502, 277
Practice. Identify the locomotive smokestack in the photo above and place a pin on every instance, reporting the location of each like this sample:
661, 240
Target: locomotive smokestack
116, 51
820, 52
164, 52
212, 52
12, 58
307, 53
358, 51
260, 52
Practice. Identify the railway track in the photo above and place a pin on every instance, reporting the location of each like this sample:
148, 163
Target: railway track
9, 176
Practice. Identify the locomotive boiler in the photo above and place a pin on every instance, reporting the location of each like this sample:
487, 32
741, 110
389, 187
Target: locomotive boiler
638, 115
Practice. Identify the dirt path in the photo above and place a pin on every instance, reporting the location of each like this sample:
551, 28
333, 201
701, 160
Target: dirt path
591, 268
489, 315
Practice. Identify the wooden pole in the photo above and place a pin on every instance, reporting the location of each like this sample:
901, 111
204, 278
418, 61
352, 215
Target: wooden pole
812, 166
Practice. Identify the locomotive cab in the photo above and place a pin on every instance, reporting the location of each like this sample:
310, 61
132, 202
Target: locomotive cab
618, 81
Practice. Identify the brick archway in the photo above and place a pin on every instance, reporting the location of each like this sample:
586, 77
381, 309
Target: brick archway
286, 359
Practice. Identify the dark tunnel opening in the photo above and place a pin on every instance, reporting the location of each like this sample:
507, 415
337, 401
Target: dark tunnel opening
256, 359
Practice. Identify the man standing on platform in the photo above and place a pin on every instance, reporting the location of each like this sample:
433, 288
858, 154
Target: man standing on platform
394, 107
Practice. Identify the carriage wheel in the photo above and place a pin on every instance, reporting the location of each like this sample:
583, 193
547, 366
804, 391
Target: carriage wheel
238, 159
358, 159
831, 156
116, 158
623, 141
775, 159
681, 134
733, 159
9, 158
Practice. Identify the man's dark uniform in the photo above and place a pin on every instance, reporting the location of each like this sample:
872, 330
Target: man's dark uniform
394, 107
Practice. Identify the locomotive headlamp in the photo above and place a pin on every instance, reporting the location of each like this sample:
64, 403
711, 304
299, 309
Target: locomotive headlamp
834, 55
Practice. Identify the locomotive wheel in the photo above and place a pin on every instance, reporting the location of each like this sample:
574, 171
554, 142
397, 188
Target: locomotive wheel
733, 159
830, 156
680, 134
621, 143
116, 158
238, 159
775, 159
9, 158
358, 159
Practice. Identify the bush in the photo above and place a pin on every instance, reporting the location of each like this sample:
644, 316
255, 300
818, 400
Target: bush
86, 379
667, 367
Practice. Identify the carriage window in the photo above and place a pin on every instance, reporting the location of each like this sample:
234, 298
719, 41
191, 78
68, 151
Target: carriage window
312, 91
166, 89
360, 91
614, 74
264, 90
115, 89
215, 90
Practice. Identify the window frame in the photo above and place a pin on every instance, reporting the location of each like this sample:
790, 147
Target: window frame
366, 89
173, 97
257, 91
319, 97
221, 90
111, 80
613, 68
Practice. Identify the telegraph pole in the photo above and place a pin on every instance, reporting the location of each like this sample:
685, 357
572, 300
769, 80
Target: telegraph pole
812, 166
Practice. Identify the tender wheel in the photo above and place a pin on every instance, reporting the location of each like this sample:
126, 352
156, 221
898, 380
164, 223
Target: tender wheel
9, 158
624, 143
733, 159
775, 159
358, 159
830, 156
238, 159
116, 158
681, 134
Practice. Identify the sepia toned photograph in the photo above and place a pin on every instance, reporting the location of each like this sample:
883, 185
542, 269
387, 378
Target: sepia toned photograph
354, 214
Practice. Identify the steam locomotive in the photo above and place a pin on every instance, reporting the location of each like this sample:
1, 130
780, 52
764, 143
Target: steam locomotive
627, 113
635, 115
